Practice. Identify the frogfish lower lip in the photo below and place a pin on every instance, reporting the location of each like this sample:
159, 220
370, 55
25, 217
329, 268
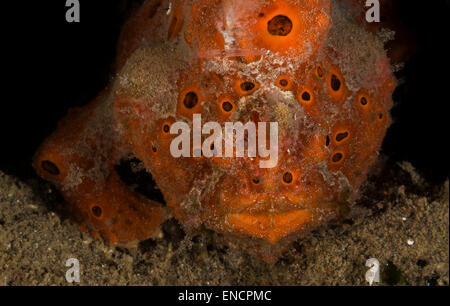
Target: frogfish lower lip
269, 226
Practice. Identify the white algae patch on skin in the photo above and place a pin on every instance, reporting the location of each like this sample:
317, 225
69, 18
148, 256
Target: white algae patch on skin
358, 51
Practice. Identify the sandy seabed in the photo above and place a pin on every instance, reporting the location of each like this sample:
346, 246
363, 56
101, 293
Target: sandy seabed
400, 219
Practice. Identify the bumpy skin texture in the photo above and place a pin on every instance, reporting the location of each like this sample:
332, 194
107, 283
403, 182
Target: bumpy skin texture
305, 64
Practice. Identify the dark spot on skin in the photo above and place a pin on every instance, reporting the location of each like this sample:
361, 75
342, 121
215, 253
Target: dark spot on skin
166, 128
284, 82
287, 178
320, 72
247, 86
335, 83
227, 106
380, 116
255, 181
50, 167
363, 101
306, 96
341, 136
261, 15
97, 211
280, 25
327, 142
337, 157
190, 100
154, 149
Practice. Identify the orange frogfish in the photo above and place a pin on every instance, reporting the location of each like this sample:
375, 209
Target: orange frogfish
307, 65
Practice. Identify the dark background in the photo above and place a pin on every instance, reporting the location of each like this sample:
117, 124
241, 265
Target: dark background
50, 65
